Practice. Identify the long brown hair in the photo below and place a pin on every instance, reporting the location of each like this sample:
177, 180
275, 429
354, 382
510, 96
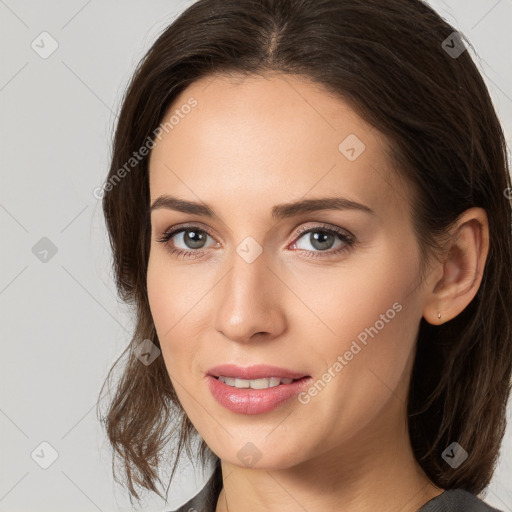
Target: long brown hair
395, 62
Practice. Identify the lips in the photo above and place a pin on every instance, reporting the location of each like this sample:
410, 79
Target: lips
255, 401
260, 371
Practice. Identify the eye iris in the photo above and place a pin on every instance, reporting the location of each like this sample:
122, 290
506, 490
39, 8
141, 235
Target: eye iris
318, 239
194, 238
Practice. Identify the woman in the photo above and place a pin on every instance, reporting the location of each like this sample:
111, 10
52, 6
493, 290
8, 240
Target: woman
309, 207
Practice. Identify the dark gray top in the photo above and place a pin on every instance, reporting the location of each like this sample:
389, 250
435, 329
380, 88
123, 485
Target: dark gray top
452, 500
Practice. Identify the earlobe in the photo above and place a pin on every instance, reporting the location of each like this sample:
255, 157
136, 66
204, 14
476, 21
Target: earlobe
462, 268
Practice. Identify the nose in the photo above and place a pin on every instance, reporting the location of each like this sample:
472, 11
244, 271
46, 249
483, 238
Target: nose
249, 301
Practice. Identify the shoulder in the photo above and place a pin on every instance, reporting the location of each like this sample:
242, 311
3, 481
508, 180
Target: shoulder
206, 499
197, 504
457, 500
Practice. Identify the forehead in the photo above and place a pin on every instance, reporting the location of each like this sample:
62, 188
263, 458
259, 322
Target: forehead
268, 139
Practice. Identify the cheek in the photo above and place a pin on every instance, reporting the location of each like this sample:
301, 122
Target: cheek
373, 319
159, 297
352, 296
173, 300
175, 292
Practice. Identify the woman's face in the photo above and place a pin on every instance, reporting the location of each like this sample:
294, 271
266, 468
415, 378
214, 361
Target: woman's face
254, 290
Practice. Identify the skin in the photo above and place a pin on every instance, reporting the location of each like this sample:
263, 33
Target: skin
250, 144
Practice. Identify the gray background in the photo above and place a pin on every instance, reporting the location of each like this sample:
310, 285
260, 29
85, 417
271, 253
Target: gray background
62, 325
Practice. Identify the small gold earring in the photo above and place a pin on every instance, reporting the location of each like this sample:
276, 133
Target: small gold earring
439, 315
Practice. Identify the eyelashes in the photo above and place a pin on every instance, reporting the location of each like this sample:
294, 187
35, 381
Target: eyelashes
347, 239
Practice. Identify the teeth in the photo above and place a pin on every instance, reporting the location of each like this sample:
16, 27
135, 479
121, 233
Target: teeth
254, 383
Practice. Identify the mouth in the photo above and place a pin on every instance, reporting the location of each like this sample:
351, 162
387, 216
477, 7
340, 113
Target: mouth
259, 371
255, 377
263, 383
255, 389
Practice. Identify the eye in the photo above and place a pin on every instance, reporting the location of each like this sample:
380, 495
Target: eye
191, 238
320, 239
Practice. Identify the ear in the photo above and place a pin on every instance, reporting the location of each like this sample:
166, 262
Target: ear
461, 268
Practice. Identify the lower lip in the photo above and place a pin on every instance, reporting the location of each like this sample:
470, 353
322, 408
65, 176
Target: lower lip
254, 401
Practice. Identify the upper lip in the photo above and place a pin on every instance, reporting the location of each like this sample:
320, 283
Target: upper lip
259, 371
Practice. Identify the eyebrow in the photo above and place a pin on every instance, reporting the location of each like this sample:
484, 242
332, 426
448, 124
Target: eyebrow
280, 211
